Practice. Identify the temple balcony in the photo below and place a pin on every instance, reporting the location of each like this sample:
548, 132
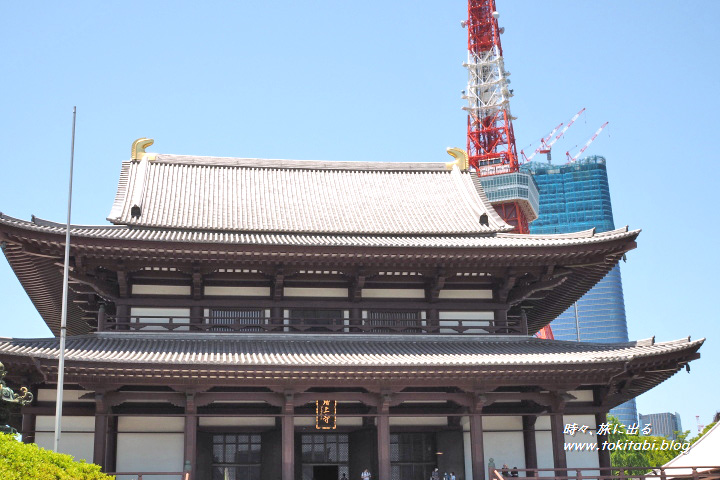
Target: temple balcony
236, 321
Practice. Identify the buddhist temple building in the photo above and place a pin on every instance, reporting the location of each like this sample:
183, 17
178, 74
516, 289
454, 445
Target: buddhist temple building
275, 319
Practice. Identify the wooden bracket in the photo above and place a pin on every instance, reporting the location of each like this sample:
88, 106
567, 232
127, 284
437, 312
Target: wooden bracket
122, 278
356, 286
436, 283
197, 284
278, 285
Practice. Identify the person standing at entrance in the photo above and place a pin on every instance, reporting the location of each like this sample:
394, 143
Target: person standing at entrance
435, 474
365, 475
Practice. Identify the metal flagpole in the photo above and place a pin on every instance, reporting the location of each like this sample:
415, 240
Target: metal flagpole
63, 317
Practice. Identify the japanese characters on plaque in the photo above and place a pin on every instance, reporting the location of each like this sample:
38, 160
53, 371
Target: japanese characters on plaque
325, 414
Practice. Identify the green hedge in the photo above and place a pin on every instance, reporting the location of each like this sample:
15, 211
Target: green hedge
20, 461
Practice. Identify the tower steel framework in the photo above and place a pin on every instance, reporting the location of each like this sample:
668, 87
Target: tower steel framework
490, 138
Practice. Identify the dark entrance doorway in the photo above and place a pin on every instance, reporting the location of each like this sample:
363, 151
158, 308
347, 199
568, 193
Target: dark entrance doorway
325, 456
326, 472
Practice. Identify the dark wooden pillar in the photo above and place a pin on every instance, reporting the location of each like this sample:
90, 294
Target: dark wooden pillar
111, 445
197, 315
383, 437
288, 438
190, 435
501, 321
603, 454
477, 450
528, 422
277, 291
101, 431
557, 428
28, 427
355, 319
122, 316
101, 318
524, 325
433, 319
276, 317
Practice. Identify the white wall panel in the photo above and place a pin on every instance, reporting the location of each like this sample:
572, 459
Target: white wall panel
543, 422
211, 291
236, 421
142, 451
419, 420
304, 421
467, 294
393, 293
583, 459
349, 421
50, 395
149, 452
151, 424
502, 422
161, 290
587, 420
581, 395
474, 315
80, 443
504, 448
543, 443
69, 423
315, 292
467, 452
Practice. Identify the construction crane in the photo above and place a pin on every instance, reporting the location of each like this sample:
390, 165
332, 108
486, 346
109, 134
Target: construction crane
490, 139
587, 144
547, 148
543, 145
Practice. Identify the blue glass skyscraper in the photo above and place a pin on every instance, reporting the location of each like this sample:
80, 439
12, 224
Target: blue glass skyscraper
575, 197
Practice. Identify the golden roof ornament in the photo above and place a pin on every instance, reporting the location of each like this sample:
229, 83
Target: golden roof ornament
461, 159
137, 152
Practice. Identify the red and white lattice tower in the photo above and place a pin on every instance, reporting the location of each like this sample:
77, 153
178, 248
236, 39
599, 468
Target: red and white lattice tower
490, 138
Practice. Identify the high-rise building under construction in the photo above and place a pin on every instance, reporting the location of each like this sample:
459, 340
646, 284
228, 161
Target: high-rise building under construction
575, 197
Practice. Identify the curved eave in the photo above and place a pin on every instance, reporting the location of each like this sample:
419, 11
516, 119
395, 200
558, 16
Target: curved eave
34, 250
133, 358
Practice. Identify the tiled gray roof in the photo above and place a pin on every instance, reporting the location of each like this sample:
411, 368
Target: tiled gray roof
339, 350
301, 197
499, 240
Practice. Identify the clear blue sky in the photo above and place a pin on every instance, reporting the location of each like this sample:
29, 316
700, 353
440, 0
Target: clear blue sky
379, 80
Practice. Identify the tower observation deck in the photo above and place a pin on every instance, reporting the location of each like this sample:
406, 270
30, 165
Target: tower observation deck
490, 138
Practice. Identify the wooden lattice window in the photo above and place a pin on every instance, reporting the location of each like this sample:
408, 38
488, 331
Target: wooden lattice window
395, 321
237, 319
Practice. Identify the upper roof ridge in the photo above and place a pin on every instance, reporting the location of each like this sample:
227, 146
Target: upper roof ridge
237, 162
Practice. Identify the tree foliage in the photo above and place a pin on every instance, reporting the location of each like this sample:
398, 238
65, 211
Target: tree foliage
636, 450
704, 431
20, 461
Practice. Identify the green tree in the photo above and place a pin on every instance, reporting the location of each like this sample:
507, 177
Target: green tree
635, 450
20, 461
704, 431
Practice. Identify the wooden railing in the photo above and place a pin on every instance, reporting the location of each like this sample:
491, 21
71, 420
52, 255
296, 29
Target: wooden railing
613, 473
308, 325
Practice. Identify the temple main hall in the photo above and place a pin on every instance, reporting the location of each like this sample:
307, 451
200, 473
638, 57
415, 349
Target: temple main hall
282, 319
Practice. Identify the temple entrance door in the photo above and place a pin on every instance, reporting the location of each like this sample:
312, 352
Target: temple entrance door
326, 472
325, 456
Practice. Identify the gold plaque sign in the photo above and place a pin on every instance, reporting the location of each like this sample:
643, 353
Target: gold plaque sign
325, 414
